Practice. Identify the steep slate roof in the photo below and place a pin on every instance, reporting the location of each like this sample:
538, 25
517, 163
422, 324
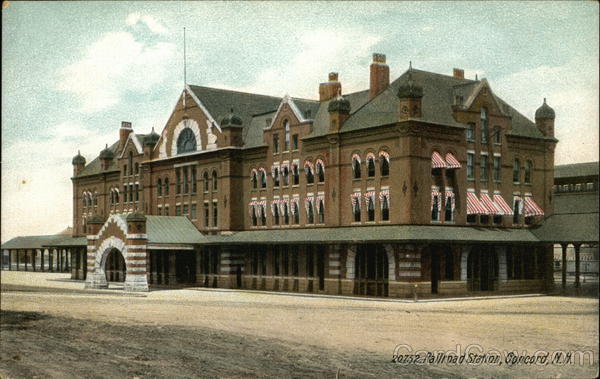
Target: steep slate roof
94, 166
388, 233
576, 203
576, 170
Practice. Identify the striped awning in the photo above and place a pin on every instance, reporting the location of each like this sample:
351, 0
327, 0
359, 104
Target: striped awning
531, 207
505, 209
474, 206
451, 161
487, 202
437, 161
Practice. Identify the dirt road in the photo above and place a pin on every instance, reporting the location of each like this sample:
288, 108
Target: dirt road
199, 332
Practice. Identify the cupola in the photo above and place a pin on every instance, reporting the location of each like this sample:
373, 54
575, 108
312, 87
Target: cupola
544, 119
339, 111
78, 163
106, 155
231, 125
410, 95
150, 140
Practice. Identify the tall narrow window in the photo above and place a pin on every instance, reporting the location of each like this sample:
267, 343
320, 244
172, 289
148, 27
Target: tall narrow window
321, 211
449, 207
186, 210
310, 212
215, 213
205, 181
356, 209
130, 194
470, 165
435, 206
385, 208
370, 208
253, 215
309, 170
483, 167
186, 184
497, 166
275, 173
275, 211
385, 163
137, 168
166, 210
263, 178
516, 171
295, 174
484, 125
254, 179
287, 135
275, 143
137, 192
263, 215
497, 135
194, 212
295, 141
295, 213
528, 167
286, 213
178, 181
356, 166
166, 184
194, 180
285, 172
206, 215
215, 181
130, 163
371, 166
320, 171
178, 210
159, 187
470, 132
517, 210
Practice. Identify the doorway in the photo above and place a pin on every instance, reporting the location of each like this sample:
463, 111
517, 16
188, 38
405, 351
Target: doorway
372, 270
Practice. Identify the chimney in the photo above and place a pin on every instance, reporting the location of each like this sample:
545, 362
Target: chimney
331, 88
380, 75
124, 133
459, 73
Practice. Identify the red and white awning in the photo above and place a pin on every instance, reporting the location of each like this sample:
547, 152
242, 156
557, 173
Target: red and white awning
356, 157
308, 201
437, 161
371, 156
474, 206
320, 162
309, 167
355, 198
505, 209
531, 207
385, 155
450, 197
436, 192
451, 161
293, 201
489, 204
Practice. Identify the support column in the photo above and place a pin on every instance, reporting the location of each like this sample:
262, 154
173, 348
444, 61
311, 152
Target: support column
172, 265
564, 266
577, 268
26, 260
232, 265
136, 279
94, 279
333, 284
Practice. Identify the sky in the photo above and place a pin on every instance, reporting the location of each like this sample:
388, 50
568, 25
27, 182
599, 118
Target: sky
72, 71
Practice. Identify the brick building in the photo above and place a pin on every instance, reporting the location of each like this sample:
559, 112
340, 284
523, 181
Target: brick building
428, 183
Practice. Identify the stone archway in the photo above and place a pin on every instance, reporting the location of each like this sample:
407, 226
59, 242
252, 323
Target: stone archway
97, 277
351, 258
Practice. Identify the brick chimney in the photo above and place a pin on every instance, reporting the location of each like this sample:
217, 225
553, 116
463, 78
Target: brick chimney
459, 73
380, 75
330, 89
124, 132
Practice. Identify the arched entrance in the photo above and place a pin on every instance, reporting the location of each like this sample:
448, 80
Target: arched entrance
482, 269
114, 266
371, 271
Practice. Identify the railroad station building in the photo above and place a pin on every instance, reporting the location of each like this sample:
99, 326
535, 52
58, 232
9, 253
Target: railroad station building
428, 184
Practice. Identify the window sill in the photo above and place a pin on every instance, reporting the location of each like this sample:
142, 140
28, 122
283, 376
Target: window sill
356, 223
385, 221
295, 185
470, 179
497, 181
436, 222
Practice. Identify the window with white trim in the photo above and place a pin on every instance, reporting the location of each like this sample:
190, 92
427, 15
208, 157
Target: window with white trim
470, 165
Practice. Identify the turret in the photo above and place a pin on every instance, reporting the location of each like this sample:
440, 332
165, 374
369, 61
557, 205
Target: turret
106, 156
339, 111
410, 95
149, 142
544, 119
232, 127
78, 163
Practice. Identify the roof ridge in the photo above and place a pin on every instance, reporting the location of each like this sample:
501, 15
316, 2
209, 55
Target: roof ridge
236, 91
443, 75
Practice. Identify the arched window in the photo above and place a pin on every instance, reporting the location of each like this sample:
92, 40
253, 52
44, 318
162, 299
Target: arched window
295, 212
370, 208
275, 209
356, 209
321, 211
385, 208
186, 142
516, 170
116, 196
287, 135
484, 125
295, 174
130, 162
286, 213
320, 170
356, 166
370, 165
385, 163
215, 181
166, 186
205, 181
194, 180
159, 187
254, 218
263, 178
254, 179
310, 213
528, 168
285, 172
309, 170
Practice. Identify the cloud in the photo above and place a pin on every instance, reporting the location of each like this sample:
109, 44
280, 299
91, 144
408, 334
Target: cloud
571, 89
320, 52
36, 185
155, 27
113, 65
